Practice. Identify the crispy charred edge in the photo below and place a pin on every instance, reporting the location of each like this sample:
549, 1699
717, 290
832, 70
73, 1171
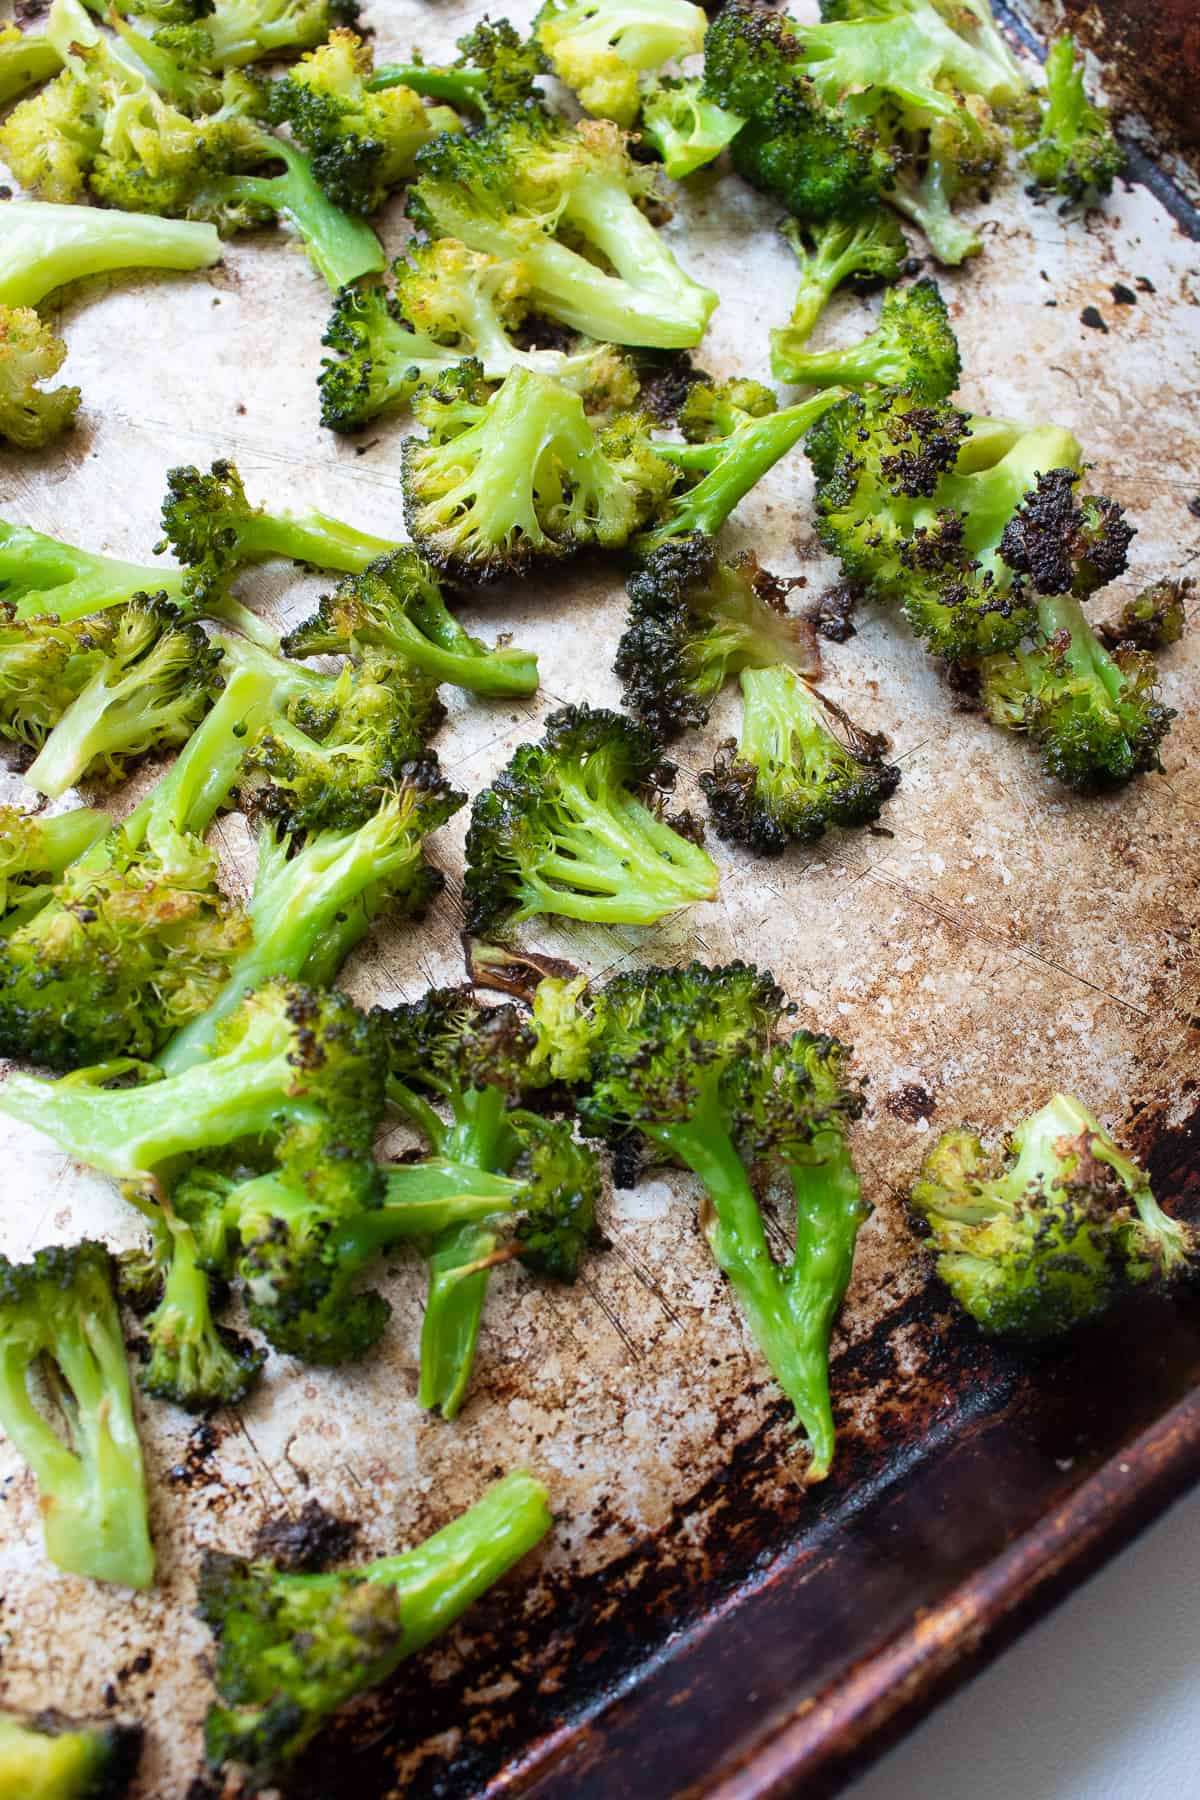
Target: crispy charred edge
1058, 541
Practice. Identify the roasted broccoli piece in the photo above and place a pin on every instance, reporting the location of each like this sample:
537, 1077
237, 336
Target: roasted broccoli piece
1154, 619
1074, 151
800, 765
49, 1757
449, 303
1049, 1230
40, 577
397, 606
695, 620
574, 826
864, 246
494, 73
362, 142
955, 518
32, 416
292, 1648
213, 529
42, 248
44, 665
155, 682
58, 1314
690, 1062
192, 1360
686, 128
913, 347
558, 199
600, 47
508, 476
35, 850
27, 57
237, 32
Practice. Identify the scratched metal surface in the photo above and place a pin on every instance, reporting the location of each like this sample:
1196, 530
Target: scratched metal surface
998, 940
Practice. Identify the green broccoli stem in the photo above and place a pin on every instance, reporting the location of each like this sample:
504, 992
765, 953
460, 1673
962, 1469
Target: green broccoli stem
42, 248
1062, 619
617, 863
433, 641
25, 63
460, 87
310, 537
453, 1309
829, 1211
602, 211
836, 257
927, 203
42, 575
878, 358
340, 247
1068, 110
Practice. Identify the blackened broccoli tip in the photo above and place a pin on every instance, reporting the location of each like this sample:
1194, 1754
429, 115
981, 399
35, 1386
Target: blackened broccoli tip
800, 766
694, 620
42, 248
563, 1184
396, 605
482, 190
506, 477
574, 826
1154, 619
292, 1648
692, 1062
59, 1310
45, 1756
912, 347
685, 128
1048, 1230
865, 246
601, 47
32, 415
1074, 151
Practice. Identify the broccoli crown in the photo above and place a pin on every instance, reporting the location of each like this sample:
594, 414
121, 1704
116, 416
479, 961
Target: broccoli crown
687, 129
397, 606
506, 477
236, 32
59, 1310
192, 1360
494, 73
562, 201
1074, 152
45, 665
36, 850
863, 246
1096, 717
562, 1183
1153, 619
599, 47
694, 620
1049, 1230
913, 347
564, 829
715, 409
49, 1757
447, 1042
800, 765
363, 143
31, 416
1066, 543
49, 141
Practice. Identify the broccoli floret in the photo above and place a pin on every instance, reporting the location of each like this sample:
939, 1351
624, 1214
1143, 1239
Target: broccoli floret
154, 684
42, 248
36, 850
450, 303
865, 246
192, 1360
494, 73
686, 128
508, 476
913, 347
800, 765
695, 620
58, 1312
1074, 152
566, 829
1047, 1232
690, 1061
396, 605
713, 409
40, 577
27, 57
292, 1648
49, 1757
561, 1177
44, 665
556, 200
600, 47
938, 169
237, 32
213, 529
921, 503
1154, 619
32, 416
362, 143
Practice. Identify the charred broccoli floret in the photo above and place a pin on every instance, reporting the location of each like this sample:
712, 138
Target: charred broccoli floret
864, 246
36, 850
42, 248
58, 1312
800, 765
565, 829
1074, 152
557, 199
913, 347
494, 73
690, 1062
292, 1648
695, 620
687, 129
32, 416
192, 1360
1154, 619
600, 47
396, 605
49, 1757
1048, 1231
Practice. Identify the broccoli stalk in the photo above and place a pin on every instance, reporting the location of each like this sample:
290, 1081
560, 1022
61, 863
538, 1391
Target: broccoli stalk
913, 347
800, 765
236, 32
686, 128
35, 851
49, 1757
193, 1361
42, 248
58, 1312
868, 245
31, 416
600, 47
293, 1648
1047, 1234
26, 58
339, 246
39, 576
1075, 152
